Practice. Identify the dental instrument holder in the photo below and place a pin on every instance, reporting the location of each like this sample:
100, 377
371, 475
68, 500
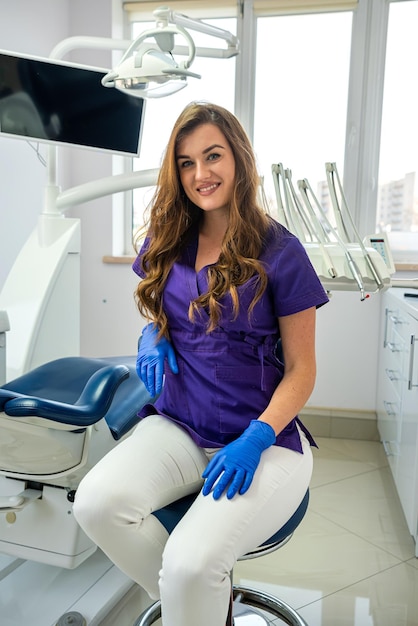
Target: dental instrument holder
314, 227
340, 265
343, 215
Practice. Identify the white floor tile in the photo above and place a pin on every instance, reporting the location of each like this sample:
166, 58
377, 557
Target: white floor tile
351, 562
337, 459
387, 599
322, 558
368, 506
413, 562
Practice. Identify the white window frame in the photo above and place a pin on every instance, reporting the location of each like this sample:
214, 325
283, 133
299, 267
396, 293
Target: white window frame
364, 111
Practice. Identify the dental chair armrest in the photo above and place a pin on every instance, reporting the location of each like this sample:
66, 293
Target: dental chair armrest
90, 407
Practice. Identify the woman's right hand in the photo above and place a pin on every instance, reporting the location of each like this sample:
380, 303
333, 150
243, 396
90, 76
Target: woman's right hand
152, 353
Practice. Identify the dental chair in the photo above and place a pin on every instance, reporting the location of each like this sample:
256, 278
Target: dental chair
56, 422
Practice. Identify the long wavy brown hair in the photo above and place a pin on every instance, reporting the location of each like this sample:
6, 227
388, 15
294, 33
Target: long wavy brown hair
173, 217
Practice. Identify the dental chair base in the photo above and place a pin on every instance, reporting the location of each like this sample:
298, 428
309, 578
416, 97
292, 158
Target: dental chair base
40, 526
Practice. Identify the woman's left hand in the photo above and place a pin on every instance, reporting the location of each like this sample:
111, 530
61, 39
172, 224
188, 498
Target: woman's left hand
236, 463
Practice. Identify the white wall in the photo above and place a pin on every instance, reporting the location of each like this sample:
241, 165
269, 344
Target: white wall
24, 27
110, 323
347, 328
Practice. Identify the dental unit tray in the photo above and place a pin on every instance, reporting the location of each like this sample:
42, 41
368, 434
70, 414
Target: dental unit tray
341, 259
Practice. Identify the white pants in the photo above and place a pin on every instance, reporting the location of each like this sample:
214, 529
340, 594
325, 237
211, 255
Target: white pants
189, 569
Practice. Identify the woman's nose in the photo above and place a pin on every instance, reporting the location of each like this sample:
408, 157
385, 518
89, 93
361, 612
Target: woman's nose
202, 170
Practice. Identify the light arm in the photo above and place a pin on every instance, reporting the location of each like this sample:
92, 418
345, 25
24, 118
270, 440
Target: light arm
149, 69
106, 186
207, 29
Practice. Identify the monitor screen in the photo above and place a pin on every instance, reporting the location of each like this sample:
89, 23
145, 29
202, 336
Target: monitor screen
65, 103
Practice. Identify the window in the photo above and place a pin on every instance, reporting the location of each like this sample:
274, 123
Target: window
397, 210
302, 72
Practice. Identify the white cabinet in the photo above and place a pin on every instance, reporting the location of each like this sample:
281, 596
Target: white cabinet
397, 397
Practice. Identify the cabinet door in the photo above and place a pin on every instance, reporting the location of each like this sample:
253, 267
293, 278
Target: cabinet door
407, 474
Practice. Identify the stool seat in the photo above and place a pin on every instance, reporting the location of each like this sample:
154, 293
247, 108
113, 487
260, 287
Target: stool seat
246, 600
171, 514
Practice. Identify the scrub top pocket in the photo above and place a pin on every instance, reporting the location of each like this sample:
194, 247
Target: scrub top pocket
242, 394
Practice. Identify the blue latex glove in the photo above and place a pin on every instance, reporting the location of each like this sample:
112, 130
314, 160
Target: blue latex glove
150, 360
237, 462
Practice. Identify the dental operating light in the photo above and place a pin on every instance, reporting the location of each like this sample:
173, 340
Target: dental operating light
148, 69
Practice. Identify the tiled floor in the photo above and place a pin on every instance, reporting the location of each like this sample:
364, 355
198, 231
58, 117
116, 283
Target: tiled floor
351, 561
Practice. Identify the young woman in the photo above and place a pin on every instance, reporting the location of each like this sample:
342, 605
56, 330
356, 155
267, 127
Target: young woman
221, 284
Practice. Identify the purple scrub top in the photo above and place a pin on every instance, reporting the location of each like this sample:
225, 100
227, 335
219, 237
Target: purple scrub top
227, 377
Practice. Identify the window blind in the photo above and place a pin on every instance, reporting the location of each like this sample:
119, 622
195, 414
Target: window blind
225, 8
287, 7
143, 9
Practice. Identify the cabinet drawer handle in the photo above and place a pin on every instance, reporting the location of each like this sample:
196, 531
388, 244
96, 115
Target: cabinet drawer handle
411, 363
387, 448
393, 375
388, 313
388, 408
393, 347
396, 320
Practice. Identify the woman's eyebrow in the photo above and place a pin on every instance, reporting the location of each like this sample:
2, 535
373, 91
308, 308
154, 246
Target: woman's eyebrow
215, 145
205, 151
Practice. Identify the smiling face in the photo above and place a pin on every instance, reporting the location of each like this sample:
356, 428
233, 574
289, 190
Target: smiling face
206, 167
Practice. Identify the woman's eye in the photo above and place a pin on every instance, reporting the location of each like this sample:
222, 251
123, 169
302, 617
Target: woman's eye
213, 156
185, 164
